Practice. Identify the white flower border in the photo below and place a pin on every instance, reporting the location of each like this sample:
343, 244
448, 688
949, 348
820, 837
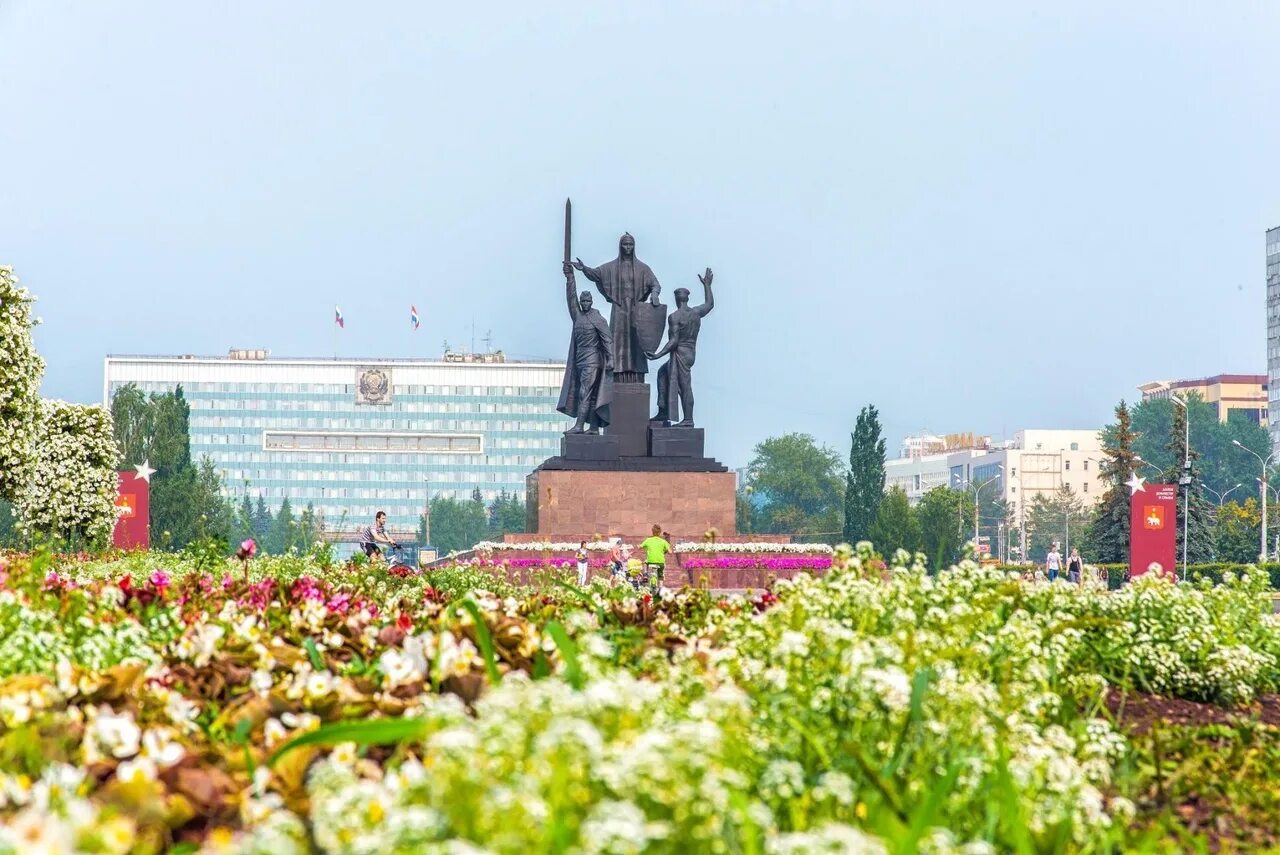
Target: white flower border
756, 548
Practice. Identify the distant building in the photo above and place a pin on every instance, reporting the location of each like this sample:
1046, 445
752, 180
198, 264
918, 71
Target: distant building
1227, 393
354, 436
917, 475
1033, 463
924, 444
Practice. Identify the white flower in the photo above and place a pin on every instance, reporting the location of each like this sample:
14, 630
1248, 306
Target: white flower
136, 770
117, 735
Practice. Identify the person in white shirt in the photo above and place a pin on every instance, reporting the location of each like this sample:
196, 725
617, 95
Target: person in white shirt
1053, 562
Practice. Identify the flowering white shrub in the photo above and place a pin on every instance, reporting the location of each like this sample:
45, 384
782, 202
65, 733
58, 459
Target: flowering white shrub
72, 490
20, 371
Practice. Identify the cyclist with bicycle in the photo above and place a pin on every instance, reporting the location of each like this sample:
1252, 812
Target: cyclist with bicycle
372, 537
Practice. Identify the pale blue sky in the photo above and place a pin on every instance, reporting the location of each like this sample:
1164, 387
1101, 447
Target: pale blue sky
979, 216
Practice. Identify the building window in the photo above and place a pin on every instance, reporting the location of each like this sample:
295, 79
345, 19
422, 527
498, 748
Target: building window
1066, 466
1086, 486
1086, 466
1075, 446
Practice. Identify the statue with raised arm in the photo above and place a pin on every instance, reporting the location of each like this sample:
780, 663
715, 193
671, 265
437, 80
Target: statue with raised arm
675, 379
627, 282
587, 389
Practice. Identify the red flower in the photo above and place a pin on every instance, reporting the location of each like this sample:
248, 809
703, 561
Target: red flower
404, 622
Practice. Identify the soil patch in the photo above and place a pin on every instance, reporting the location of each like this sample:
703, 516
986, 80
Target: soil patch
1135, 712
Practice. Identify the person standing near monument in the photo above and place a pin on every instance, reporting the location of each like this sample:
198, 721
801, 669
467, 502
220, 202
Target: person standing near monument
587, 388
655, 549
584, 567
675, 379
625, 282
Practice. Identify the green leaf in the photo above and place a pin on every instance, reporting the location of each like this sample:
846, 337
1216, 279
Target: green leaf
313, 653
541, 669
568, 652
184, 849
378, 731
486, 641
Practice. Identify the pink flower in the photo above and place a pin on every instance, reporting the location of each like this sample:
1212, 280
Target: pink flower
160, 580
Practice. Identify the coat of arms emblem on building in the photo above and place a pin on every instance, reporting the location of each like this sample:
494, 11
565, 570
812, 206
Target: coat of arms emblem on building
373, 386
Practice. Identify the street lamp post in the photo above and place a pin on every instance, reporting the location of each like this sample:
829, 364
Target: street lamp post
1222, 497
1185, 480
977, 510
1262, 554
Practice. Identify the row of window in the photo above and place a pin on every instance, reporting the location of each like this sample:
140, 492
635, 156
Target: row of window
334, 476
344, 389
547, 427
344, 405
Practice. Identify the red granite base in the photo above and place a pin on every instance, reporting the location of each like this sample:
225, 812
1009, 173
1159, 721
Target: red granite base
590, 504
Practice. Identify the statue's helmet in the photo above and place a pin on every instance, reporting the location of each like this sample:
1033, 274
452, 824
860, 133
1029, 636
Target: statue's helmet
681, 294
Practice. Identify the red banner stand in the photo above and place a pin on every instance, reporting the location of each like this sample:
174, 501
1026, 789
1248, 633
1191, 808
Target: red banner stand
1153, 530
133, 501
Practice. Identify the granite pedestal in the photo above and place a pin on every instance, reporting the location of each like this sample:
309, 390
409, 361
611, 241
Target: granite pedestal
629, 418
620, 501
593, 447
675, 441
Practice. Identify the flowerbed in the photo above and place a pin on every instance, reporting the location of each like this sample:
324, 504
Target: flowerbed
155, 702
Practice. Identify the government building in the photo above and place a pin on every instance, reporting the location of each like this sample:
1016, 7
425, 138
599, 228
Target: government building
355, 436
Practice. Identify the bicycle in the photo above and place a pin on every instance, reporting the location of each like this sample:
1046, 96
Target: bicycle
397, 564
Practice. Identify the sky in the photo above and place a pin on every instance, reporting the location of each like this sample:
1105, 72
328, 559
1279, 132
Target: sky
978, 217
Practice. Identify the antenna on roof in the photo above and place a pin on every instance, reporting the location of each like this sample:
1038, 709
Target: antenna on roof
488, 341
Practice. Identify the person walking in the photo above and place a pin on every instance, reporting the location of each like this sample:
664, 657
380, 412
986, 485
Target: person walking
1075, 567
615, 557
583, 564
1053, 562
655, 549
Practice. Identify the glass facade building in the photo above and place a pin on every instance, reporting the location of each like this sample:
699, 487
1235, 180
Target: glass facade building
353, 437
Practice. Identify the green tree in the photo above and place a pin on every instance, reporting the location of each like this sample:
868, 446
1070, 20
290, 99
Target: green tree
895, 526
281, 536
1221, 464
133, 415
1238, 531
864, 482
457, 525
170, 449
216, 514
946, 522
1107, 539
797, 484
745, 509
261, 521
1059, 517
506, 514
308, 527
1195, 507
243, 520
